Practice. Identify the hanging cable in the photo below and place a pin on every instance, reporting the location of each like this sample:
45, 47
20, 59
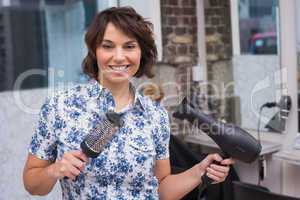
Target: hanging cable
261, 166
259, 141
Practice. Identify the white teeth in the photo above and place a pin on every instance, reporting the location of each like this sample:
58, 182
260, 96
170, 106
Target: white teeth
119, 68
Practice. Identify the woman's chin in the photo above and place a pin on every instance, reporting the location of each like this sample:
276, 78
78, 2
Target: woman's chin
119, 78
116, 77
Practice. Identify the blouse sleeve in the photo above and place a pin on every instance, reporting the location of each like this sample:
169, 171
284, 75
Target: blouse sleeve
43, 142
163, 136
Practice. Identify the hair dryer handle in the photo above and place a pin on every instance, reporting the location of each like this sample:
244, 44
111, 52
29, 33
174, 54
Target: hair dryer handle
205, 179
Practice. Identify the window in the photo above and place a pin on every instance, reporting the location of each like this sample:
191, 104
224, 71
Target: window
257, 27
256, 63
50, 52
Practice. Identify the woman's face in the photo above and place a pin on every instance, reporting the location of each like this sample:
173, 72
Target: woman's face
118, 56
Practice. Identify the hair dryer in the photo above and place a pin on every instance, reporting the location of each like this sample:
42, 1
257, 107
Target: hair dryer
233, 141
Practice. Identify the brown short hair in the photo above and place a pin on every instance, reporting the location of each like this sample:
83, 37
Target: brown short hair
133, 25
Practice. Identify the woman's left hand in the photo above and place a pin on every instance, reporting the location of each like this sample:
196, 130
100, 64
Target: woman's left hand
219, 172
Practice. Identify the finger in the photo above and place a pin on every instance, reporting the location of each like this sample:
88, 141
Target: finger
209, 160
74, 171
216, 173
80, 155
66, 166
75, 161
64, 172
213, 157
224, 169
217, 157
206, 161
70, 159
228, 161
70, 176
215, 178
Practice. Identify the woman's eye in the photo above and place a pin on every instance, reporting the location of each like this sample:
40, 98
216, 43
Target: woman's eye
130, 46
106, 46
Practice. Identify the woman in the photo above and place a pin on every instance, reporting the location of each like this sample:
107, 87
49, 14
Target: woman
134, 164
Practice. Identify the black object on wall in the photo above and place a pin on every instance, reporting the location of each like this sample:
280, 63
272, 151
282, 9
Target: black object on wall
278, 121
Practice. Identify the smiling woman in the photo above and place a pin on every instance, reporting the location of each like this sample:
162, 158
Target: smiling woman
134, 163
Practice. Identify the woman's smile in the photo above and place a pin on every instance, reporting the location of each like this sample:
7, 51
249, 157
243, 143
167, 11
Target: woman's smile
119, 68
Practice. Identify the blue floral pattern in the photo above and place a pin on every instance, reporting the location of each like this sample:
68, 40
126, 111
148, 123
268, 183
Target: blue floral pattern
125, 168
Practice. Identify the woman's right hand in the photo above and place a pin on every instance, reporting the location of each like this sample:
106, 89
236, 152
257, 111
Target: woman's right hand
70, 165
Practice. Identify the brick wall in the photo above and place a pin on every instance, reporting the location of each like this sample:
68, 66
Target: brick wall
179, 29
218, 40
219, 55
218, 30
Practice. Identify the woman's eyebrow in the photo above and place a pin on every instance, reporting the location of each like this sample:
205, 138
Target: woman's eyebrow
108, 41
131, 41
127, 42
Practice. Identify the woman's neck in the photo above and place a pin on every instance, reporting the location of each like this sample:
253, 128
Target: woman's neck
120, 92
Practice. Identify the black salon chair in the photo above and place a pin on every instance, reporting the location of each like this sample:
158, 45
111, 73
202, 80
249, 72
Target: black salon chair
247, 191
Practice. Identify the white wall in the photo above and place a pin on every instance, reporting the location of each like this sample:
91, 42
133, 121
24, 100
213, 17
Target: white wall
17, 122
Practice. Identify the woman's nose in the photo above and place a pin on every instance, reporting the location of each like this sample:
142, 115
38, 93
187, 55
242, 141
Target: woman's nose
119, 55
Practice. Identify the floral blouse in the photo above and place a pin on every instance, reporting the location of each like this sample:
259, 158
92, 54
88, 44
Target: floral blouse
125, 168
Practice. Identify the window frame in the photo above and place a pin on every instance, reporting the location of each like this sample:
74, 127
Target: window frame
288, 62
